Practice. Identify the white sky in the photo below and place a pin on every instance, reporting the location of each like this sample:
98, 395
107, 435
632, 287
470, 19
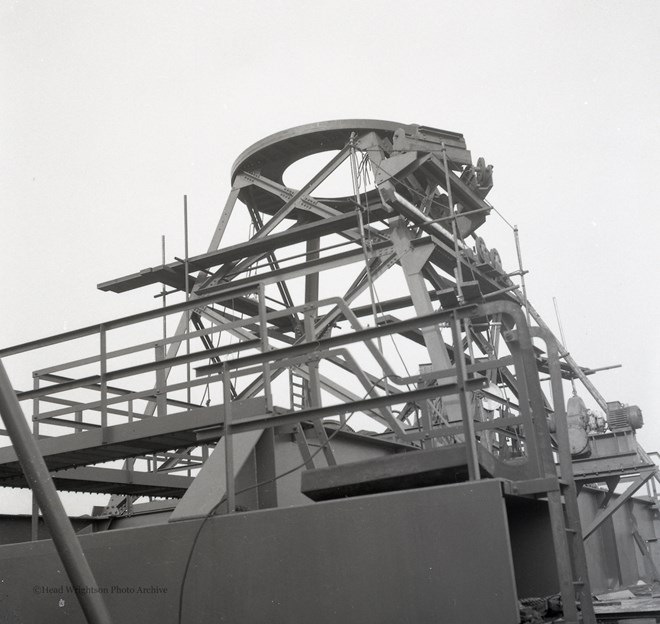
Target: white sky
111, 111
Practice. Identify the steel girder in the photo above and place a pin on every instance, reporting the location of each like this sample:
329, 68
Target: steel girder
402, 157
416, 169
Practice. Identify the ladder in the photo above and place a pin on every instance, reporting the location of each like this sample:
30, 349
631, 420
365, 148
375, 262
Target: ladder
569, 551
298, 392
299, 399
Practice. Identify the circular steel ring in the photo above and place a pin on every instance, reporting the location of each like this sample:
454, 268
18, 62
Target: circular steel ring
273, 155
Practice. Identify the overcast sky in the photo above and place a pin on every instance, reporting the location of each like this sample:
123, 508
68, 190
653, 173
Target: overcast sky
111, 111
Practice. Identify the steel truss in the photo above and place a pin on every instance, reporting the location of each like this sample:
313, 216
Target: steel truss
280, 345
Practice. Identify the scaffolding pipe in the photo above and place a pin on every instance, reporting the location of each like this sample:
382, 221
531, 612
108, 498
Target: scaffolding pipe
522, 274
38, 477
563, 338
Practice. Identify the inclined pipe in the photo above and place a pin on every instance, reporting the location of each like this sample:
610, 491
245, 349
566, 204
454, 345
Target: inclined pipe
37, 475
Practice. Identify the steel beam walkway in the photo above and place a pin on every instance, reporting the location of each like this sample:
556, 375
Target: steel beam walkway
123, 441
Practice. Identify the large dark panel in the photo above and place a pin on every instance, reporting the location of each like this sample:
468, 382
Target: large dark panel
439, 554
532, 547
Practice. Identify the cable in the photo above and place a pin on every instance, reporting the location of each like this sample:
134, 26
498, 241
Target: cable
396, 348
274, 479
501, 216
366, 242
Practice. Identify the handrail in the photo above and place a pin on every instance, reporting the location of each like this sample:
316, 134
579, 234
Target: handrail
269, 362
132, 319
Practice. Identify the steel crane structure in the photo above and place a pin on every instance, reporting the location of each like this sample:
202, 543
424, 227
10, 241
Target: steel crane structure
312, 449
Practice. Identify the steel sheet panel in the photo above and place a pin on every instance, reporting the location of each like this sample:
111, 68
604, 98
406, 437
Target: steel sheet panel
438, 554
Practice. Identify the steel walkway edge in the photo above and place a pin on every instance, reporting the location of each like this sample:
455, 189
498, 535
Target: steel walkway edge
134, 439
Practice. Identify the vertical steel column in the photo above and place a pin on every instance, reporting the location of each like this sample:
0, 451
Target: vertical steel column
312, 295
312, 250
265, 346
468, 423
37, 475
229, 446
187, 287
163, 292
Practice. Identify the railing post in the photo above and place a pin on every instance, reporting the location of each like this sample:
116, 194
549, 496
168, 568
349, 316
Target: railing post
161, 380
35, 432
104, 382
